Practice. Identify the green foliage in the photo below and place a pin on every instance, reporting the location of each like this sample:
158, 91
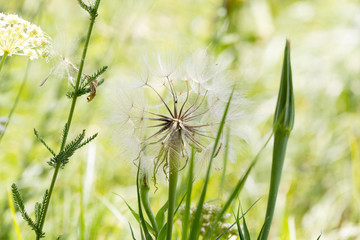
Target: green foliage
142, 221
283, 124
92, 10
243, 234
160, 216
20, 203
38, 211
285, 108
69, 150
132, 232
85, 82
186, 215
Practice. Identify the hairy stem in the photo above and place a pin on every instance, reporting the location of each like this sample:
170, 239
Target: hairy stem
72, 108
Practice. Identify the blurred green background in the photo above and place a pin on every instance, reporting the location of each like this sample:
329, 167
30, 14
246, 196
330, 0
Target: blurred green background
320, 190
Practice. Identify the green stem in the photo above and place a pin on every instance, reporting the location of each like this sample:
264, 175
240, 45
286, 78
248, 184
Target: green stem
72, 108
144, 195
280, 142
173, 176
186, 218
3, 59
13, 107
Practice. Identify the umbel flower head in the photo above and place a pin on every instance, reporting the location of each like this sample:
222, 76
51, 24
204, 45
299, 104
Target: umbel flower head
172, 106
20, 37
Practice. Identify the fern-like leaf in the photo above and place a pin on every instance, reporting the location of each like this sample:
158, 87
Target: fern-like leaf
43, 142
83, 90
65, 130
87, 140
43, 204
85, 7
68, 151
20, 203
96, 74
37, 213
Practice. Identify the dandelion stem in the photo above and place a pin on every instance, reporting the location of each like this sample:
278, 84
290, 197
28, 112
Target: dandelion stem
3, 59
186, 218
173, 176
72, 108
174, 156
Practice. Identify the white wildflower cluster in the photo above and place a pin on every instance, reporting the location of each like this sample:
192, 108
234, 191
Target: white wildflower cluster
209, 213
174, 105
20, 37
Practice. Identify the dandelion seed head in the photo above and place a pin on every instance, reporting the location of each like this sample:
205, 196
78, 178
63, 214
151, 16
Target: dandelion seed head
20, 37
175, 104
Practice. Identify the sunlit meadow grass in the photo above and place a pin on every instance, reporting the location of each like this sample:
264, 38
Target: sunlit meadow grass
319, 185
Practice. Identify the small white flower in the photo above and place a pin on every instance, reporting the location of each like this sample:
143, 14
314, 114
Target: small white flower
174, 105
20, 37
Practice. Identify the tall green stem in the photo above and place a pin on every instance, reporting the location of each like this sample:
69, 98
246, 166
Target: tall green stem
173, 176
3, 59
173, 158
186, 217
72, 108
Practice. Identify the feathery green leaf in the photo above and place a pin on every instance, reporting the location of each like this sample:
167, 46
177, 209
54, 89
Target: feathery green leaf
20, 203
44, 143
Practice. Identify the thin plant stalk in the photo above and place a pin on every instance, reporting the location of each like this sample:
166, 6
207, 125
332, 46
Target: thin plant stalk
144, 195
13, 107
283, 124
173, 177
3, 58
71, 112
186, 217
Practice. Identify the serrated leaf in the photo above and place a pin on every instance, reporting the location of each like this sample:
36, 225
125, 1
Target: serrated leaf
37, 213
87, 141
68, 151
20, 203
